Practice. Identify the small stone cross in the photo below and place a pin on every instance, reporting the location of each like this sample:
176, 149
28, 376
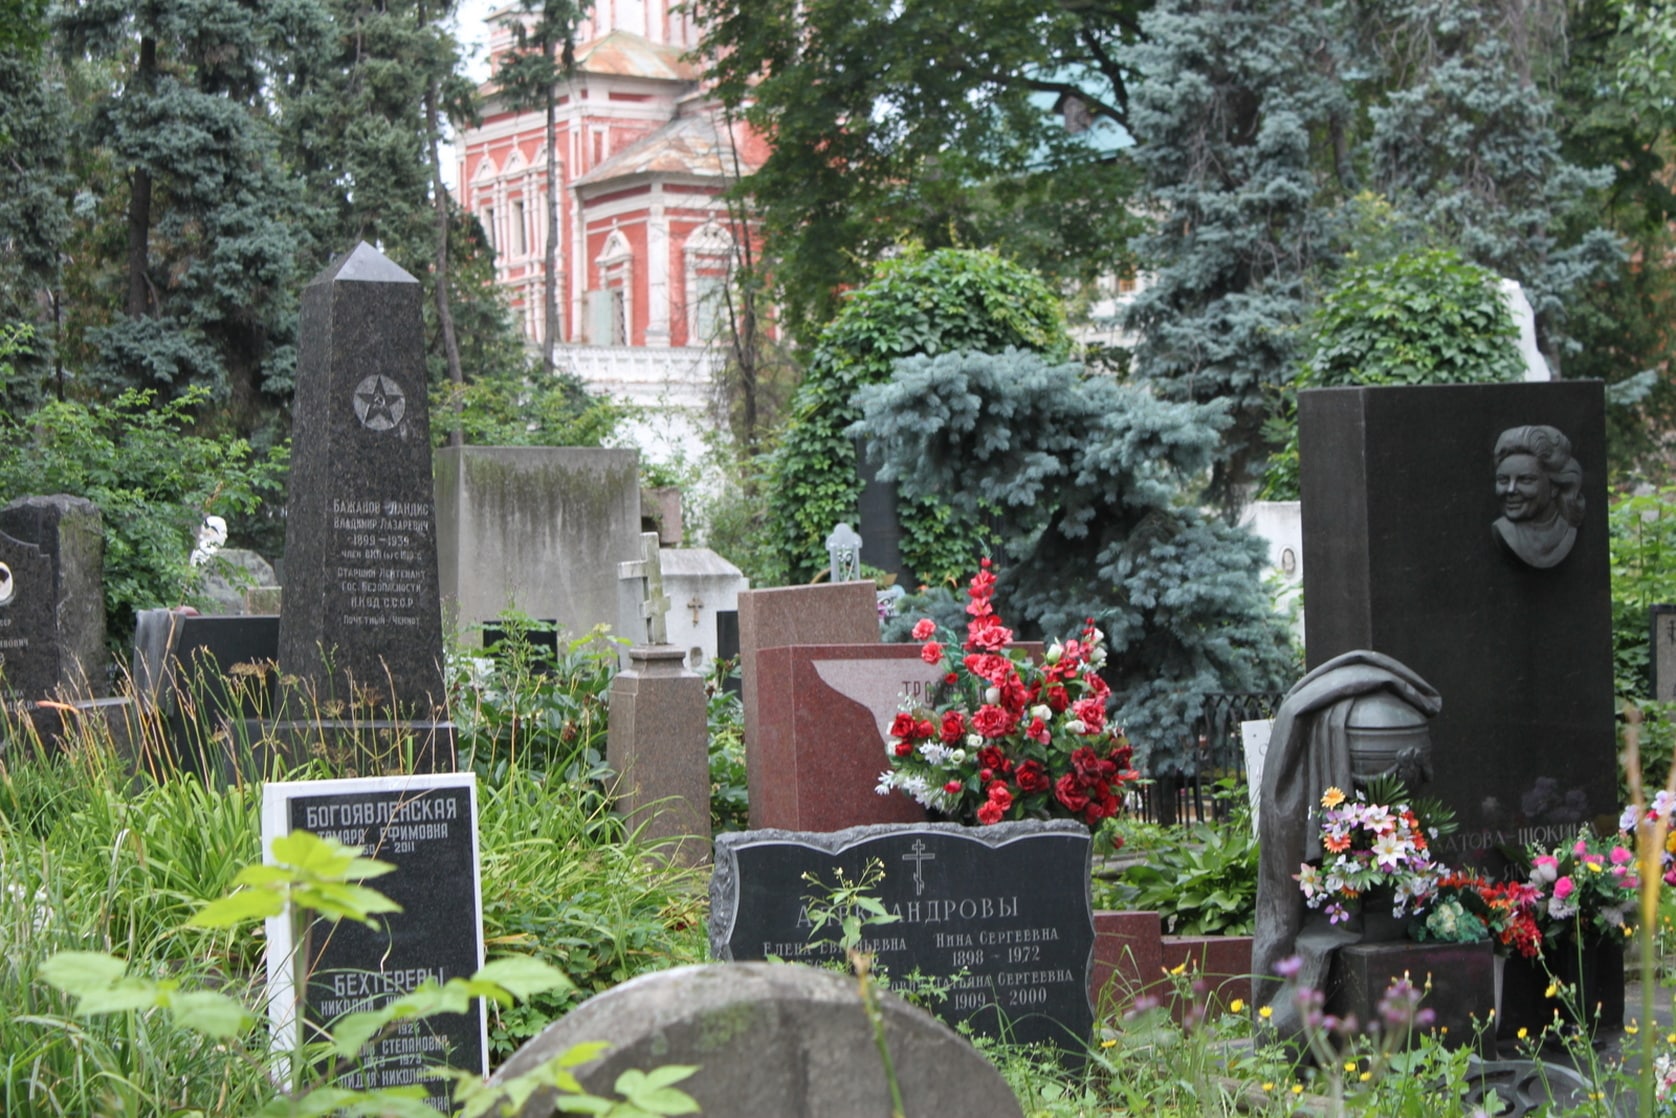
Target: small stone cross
844, 548
919, 855
654, 603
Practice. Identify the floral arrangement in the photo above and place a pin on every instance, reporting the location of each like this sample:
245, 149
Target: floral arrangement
1369, 846
1006, 737
1585, 889
1468, 909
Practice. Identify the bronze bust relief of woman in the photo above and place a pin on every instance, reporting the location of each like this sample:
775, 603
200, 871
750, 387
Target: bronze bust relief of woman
1540, 487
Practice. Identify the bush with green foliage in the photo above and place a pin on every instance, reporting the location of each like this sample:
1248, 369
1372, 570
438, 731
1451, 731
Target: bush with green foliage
948, 301
1088, 486
1200, 879
1426, 317
522, 408
152, 478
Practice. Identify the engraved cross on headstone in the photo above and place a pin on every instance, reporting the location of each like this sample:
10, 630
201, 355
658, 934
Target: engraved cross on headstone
843, 546
919, 855
654, 603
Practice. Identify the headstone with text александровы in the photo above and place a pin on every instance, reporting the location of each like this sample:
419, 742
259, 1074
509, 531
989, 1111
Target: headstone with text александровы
1001, 913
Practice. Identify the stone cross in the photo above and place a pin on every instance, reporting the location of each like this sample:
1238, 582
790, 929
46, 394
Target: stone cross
654, 603
844, 548
919, 855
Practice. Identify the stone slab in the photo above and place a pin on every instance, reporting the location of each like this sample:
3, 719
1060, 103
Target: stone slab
363, 620
840, 613
1128, 957
823, 720
426, 826
770, 1041
538, 530
1004, 908
1398, 502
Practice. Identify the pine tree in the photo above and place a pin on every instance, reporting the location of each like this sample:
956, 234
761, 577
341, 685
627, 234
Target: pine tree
1083, 480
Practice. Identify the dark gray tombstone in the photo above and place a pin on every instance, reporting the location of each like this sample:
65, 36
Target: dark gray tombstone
1404, 554
1001, 911
52, 604
362, 623
427, 827
770, 1041
727, 647
205, 677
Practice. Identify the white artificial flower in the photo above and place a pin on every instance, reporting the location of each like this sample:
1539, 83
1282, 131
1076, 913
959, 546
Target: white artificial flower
957, 757
1042, 711
992, 696
974, 741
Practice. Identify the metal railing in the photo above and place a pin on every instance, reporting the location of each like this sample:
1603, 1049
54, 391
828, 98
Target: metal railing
1216, 753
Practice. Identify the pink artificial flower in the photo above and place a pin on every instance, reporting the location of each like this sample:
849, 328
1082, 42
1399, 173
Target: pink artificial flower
1620, 855
1580, 848
923, 628
1564, 887
952, 787
931, 652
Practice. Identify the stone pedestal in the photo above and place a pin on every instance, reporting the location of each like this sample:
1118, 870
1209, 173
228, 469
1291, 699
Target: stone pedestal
658, 743
1458, 980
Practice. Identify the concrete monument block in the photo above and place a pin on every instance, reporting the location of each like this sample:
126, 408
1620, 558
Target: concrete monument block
539, 530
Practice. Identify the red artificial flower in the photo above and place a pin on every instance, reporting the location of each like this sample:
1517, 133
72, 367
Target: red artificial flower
987, 632
999, 794
1090, 766
951, 679
903, 725
1058, 699
952, 787
931, 652
1037, 731
1032, 777
991, 668
954, 727
993, 721
1091, 712
1013, 696
904, 749
990, 813
991, 757
1068, 791
923, 628
924, 729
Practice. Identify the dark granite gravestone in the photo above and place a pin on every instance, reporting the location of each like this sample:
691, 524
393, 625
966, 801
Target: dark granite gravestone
52, 603
427, 827
1006, 908
1399, 488
362, 624
204, 676
727, 647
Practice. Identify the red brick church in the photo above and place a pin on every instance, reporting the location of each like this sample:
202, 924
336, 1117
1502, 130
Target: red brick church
645, 240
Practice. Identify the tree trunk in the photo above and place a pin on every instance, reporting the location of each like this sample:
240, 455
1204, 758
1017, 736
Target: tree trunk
444, 312
139, 302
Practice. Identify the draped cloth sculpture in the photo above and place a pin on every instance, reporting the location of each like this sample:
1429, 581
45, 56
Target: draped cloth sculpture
1309, 752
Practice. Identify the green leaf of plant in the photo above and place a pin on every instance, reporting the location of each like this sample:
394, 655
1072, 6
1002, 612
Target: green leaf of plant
651, 1091
523, 977
210, 1013
79, 972
238, 908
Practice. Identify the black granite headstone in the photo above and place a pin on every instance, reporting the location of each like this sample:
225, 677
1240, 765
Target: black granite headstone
1399, 497
204, 676
362, 620
427, 827
52, 605
727, 648
1005, 908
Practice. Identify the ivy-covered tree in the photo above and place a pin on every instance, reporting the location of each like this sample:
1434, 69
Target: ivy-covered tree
1085, 482
921, 302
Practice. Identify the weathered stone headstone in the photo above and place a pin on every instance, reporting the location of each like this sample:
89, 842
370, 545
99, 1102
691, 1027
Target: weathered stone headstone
658, 737
1003, 912
52, 604
1400, 493
841, 613
230, 574
427, 827
1663, 658
770, 1041
823, 723
538, 530
362, 624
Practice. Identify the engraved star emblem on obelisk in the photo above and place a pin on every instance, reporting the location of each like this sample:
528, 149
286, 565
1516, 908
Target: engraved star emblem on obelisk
379, 403
7, 586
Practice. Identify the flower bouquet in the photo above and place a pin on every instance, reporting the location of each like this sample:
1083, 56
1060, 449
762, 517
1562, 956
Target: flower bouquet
1005, 737
1368, 847
1586, 890
1468, 909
